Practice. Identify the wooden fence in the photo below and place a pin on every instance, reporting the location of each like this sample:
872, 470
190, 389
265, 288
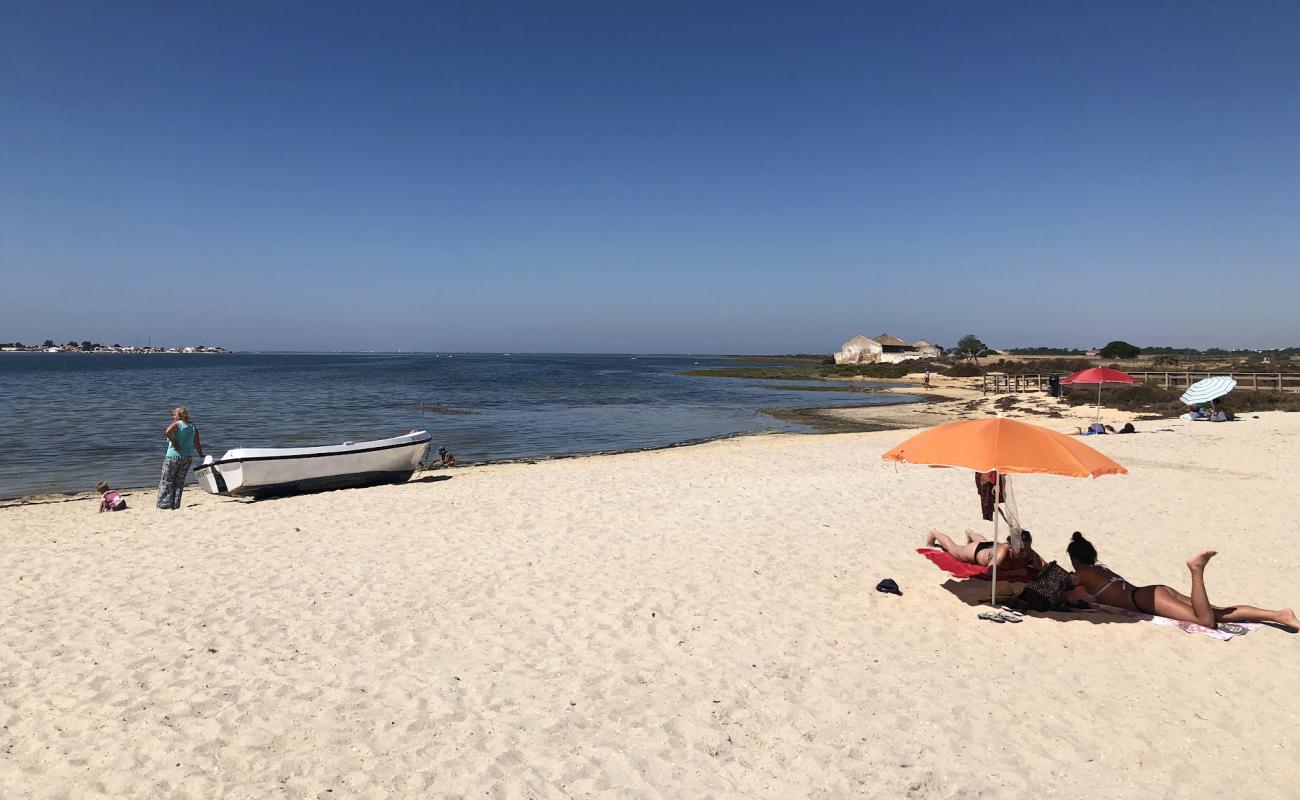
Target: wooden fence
999, 382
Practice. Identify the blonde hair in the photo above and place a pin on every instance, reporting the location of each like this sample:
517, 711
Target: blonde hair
181, 412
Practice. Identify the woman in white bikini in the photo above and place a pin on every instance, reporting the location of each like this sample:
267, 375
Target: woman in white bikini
1097, 583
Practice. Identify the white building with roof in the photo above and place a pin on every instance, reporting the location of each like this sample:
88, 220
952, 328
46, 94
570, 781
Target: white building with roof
883, 349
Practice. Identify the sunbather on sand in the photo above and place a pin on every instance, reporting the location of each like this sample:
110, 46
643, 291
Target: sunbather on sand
1097, 583
1095, 429
979, 550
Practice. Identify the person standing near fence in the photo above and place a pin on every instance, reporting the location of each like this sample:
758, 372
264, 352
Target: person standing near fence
183, 444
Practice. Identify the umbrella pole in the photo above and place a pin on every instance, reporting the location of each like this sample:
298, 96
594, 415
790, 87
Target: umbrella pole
1099, 402
997, 485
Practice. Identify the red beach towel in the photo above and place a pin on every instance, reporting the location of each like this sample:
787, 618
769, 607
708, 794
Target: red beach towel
963, 570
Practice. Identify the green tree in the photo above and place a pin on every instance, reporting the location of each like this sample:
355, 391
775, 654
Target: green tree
970, 347
87, 345
1120, 349
48, 343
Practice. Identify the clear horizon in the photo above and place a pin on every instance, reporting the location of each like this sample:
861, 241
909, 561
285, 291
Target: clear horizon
586, 178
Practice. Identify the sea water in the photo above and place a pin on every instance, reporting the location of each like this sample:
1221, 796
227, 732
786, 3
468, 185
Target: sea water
68, 420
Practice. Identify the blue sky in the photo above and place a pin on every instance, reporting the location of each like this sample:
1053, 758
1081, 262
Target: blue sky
654, 177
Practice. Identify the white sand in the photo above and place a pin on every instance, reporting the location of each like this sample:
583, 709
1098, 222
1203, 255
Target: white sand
697, 622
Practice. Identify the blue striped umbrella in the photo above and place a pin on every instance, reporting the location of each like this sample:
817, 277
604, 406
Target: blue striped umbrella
1208, 389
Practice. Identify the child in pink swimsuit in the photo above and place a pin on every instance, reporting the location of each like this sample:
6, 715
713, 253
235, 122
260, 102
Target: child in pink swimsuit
110, 500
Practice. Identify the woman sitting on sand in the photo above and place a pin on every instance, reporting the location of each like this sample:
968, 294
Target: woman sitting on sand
1097, 583
979, 551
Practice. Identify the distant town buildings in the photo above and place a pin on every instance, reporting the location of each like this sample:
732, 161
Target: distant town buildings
95, 347
884, 349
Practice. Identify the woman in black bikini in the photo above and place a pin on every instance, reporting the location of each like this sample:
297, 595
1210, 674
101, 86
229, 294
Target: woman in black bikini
1097, 583
979, 550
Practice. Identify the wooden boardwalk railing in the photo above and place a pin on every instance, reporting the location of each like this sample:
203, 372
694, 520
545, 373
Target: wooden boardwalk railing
998, 382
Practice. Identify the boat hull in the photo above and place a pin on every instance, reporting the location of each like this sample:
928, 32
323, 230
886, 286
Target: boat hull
270, 472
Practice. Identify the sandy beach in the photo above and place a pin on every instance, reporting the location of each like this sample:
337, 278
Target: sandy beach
691, 622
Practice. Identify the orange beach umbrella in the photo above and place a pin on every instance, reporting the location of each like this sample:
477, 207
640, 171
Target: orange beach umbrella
1007, 446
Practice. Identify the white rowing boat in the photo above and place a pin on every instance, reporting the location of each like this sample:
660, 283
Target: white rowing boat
274, 471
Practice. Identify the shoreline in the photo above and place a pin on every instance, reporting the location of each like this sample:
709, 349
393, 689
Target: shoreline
947, 399
822, 425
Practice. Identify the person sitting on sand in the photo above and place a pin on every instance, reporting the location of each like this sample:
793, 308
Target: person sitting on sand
979, 551
445, 459
1194, 414
109, 500
1097, 583
1128, 428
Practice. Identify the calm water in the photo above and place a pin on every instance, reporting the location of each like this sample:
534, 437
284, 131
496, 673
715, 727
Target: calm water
70, 420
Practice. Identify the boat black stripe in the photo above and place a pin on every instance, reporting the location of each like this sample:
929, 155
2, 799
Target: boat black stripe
313, 455
221, 481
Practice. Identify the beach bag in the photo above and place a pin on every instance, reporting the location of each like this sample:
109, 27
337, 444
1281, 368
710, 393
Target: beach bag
1047, 590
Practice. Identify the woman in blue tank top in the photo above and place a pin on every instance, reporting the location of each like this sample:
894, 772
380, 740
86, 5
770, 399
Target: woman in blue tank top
183, 444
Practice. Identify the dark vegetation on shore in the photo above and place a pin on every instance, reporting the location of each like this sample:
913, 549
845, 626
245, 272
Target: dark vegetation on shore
1151, 398
1065, 366
780, 359
1043, 366
825, 386
820, 421
1146, 398
1245, 402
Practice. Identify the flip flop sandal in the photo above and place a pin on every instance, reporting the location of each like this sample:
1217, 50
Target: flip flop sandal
1012, 618
1013, 612
1233, 628
991, 616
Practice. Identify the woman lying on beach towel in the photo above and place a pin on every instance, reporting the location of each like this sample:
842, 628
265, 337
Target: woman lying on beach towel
979, 551
1097, 583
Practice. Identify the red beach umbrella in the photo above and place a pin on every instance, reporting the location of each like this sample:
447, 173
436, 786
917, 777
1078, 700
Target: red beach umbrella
1102, 378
